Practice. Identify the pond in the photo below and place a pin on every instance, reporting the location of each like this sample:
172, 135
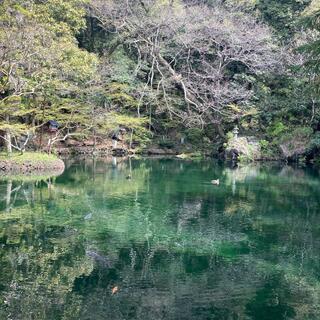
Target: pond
165, 244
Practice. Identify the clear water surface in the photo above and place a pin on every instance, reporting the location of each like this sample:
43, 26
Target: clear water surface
167, 244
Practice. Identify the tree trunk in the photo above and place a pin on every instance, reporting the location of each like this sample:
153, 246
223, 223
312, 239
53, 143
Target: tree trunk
8, 196
131, 138
8, 142
8, 138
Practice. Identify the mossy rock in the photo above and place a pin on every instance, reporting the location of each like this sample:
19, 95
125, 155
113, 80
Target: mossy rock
243, 149
296, 144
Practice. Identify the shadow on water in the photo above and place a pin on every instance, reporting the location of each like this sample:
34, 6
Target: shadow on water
164, 244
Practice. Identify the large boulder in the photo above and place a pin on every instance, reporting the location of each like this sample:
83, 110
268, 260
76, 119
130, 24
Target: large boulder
243, 148
296, 143
293, 148
160, 151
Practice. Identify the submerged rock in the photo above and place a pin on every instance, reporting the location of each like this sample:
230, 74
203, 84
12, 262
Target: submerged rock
88, 216
100, 259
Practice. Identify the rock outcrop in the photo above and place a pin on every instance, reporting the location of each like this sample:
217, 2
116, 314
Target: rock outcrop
160, 151
296, 143
243, 148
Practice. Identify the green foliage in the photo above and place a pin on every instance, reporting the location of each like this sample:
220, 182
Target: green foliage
29, 157
113, 120
315, 143
122, 67
312, 21
298, 133
120, 96
43, 57
54, 78
166, 143
229, 135
264, 144
194, 135
283, 16
249, 157
62, 16
277, 129
135, 127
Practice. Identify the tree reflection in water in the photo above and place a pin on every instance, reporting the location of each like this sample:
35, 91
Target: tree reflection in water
173, 245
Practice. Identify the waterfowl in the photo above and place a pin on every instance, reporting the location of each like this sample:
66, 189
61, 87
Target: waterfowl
129, 177
215, 182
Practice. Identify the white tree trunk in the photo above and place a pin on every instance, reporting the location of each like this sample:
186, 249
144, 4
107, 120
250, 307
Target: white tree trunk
8, 138
8, 197
8, 142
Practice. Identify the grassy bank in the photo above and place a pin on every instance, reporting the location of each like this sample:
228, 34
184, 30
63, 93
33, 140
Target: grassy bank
29, 162
28, 156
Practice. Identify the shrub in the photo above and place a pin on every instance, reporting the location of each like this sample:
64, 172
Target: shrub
314, 144
264, 144
166, 144
194, 135
229, 135
277, 129
300, 133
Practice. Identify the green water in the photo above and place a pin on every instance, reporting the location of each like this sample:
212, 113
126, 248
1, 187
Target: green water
166, 244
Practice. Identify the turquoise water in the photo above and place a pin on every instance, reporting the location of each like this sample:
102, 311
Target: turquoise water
166, 244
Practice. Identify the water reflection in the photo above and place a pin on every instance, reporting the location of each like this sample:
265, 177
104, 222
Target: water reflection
173, 245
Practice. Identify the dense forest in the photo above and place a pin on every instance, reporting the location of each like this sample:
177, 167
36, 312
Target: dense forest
176, 74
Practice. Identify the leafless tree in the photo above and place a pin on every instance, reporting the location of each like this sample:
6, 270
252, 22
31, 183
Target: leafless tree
204, 55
